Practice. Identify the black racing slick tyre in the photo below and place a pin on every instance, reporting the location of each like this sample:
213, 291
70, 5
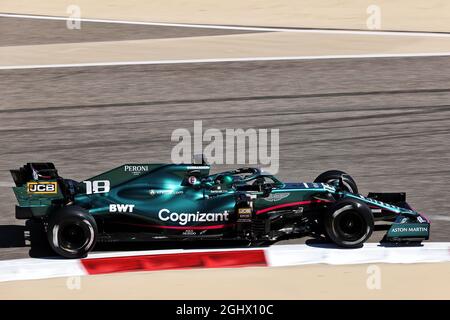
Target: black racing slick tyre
72, 232
349, 223
334, 175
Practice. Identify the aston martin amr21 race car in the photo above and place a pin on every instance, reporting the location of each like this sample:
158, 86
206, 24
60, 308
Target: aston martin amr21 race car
149, 202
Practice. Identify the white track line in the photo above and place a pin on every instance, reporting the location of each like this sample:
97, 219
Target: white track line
276, 256
116, 254
225, 27
326, 253
246, 59
294, 255
28, 269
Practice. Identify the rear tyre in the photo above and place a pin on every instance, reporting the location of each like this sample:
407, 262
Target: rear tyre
349, 223
72, 232
334, 175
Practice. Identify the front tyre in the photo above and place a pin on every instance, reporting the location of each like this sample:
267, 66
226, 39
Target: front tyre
72, 232
331, 176
349, 223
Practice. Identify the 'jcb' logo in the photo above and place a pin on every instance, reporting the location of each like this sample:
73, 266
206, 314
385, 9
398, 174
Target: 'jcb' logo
245, 210
42, 187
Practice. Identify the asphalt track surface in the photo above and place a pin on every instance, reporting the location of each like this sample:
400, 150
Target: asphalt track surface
20, 32
385, 121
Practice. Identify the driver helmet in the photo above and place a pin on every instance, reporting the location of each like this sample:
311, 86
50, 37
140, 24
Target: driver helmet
226, 180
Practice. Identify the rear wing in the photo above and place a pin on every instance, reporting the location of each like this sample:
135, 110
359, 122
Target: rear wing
38, 188
34, 171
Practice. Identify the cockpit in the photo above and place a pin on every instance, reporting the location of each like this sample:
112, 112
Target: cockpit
243, 179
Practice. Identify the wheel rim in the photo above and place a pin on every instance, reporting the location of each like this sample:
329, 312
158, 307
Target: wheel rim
351, 226
73, 237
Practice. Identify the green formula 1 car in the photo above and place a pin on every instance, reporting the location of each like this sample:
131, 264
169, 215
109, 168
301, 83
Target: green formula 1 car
150, 202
